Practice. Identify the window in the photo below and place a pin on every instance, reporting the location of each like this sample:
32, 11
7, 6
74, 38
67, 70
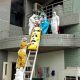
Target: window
5, 69
70, 78
78, 78
17, 12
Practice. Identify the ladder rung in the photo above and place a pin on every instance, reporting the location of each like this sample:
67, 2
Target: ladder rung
27, 71
29, 66
32, 51
32, 55
27, 78
31, 60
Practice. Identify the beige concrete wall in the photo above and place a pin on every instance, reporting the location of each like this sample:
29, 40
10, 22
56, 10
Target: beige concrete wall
5, 9
28, 12
4, 18
12, 56
15, 31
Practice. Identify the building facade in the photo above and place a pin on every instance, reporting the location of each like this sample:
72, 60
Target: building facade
59, 52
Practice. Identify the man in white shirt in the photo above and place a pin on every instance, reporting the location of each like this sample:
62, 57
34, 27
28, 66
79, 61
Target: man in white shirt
33, 20
55, 23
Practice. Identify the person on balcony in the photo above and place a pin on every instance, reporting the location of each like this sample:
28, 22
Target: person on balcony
33, 20
44, 23
55, 22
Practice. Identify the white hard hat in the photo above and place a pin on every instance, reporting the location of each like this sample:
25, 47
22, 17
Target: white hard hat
24, 39
54, 12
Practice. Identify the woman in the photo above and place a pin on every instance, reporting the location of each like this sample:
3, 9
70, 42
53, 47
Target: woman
44, 23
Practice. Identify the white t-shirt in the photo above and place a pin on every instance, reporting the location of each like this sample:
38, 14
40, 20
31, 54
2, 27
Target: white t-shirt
32, 20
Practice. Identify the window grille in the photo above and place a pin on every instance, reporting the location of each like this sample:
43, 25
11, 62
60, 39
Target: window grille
70, 78
50, 8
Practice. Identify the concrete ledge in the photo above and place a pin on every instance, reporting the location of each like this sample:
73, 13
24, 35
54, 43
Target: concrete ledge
15, 31
50, 40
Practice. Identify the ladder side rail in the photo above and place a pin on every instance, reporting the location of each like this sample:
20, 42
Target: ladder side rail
26, 62
34, 62
33, 65
28, 58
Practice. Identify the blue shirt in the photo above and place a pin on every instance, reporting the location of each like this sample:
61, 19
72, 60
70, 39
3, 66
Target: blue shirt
44, 26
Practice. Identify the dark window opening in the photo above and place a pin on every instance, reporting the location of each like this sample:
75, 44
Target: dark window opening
78, 78
49, 30
13, 70
61, 30
70, 78
17, 12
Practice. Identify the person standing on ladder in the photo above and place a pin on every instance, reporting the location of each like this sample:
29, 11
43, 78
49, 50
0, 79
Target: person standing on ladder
21, 61
55, 22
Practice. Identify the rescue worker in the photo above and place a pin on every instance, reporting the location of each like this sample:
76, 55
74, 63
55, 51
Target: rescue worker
33, 20
21, 61
55, 23
44, 23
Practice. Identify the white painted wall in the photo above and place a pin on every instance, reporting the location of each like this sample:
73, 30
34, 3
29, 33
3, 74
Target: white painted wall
54, 60
7, 66
72, 71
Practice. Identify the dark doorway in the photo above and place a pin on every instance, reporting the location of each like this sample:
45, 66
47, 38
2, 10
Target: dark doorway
61, 30
13, 70
17, 12
78, 78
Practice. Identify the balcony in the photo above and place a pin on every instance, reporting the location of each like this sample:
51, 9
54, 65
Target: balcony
48, 42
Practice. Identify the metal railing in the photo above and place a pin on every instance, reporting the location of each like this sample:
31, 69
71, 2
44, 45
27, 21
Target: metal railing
61, 8
50, 8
